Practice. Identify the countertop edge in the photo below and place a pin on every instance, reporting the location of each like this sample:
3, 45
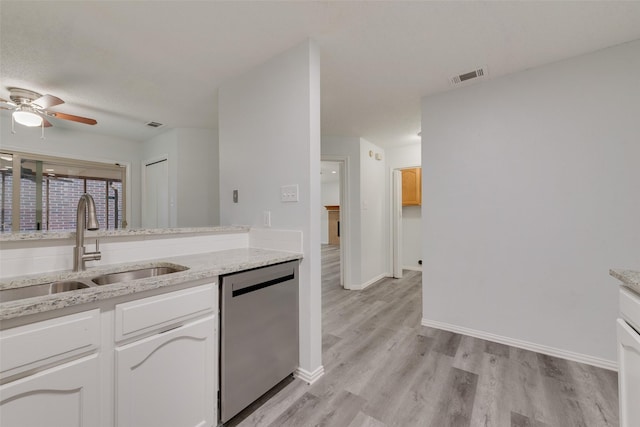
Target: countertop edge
69, 234
629, 278
200, 266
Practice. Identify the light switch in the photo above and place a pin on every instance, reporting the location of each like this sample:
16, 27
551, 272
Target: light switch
235, 196
266, 218
289, 193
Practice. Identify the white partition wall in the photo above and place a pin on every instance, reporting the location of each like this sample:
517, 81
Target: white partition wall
269, 137
533, 190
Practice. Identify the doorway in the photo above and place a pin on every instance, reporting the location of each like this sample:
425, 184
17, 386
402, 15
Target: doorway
334, 216
406, 219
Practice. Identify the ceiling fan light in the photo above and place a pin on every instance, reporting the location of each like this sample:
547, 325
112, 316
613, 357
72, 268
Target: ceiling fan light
27, 118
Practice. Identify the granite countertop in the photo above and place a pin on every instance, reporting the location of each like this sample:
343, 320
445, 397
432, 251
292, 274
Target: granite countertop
200, 266
629, 278
69, 234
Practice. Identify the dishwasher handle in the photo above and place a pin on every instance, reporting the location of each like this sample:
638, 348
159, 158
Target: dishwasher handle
245, 289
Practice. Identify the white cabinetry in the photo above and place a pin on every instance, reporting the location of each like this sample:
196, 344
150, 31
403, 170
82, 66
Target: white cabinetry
64, 396
629, 358
168, 379
147, 362
49, 387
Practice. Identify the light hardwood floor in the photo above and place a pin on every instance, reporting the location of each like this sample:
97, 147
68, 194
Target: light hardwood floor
384, 369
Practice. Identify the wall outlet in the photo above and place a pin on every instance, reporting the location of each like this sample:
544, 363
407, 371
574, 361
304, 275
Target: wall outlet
289, 193
266, 218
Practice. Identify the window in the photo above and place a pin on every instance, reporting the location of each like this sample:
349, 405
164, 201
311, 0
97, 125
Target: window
42, 192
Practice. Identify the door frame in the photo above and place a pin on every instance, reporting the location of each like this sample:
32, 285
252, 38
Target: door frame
345, 218
396, 240
396, 223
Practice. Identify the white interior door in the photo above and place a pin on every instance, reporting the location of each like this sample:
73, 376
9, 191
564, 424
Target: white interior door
155, 195
397, 223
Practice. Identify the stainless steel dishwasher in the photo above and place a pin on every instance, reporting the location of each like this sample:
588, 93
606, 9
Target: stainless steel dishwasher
258, 334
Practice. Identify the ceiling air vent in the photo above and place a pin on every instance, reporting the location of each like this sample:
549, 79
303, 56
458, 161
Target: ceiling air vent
465, 77
154, 124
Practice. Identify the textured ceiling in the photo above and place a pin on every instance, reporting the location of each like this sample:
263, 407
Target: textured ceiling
125, 63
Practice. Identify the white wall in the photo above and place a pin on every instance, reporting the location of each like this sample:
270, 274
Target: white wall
533, 185
411, 237
193, 174
330, 197
372, 214
406, 156
74, 144
198, 178
269, 133
368, 217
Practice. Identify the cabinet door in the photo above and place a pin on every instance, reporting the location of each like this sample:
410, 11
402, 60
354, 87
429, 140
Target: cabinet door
64, 396
411, 187
629, 374
334, 227
169, 379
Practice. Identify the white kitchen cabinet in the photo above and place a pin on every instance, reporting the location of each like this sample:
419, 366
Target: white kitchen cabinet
169, 379
629, 358
135, 362
629, 380
43, 344
67, 395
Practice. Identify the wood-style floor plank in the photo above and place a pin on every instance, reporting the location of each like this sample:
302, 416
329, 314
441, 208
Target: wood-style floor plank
383, 369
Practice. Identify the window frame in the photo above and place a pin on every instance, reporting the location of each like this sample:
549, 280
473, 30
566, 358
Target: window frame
18, 156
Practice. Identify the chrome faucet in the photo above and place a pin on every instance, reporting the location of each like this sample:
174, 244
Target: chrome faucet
86, 208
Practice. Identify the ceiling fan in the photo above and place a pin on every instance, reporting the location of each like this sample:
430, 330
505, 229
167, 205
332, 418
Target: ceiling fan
30, 108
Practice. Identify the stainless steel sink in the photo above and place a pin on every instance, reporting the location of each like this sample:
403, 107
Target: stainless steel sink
85, 283
125, 276
40, 290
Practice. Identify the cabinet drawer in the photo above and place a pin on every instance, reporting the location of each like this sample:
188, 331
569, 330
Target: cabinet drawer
154, 313
43, 343
630, 307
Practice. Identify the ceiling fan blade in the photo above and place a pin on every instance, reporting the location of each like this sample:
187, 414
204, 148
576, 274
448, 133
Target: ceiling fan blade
71, 117
46, 101
9, 103
46, 123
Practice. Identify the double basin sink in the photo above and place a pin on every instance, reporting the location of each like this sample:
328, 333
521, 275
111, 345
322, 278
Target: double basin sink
72, 285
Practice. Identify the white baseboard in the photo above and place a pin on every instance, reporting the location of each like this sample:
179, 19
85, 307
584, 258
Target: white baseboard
309, 377
368, 283
412, 268
538, 348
